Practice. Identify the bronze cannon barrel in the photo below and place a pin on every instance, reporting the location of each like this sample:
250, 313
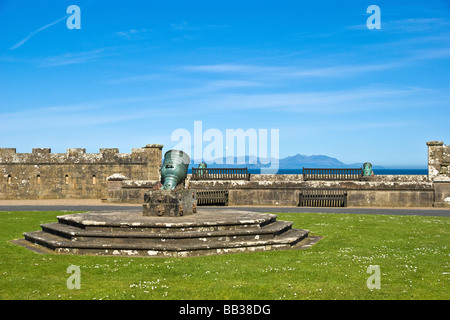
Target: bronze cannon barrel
174, 168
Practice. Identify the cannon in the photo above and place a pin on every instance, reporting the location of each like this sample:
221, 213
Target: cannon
174, 169
172, 199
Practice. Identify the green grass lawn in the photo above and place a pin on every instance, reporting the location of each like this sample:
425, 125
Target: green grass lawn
411, 251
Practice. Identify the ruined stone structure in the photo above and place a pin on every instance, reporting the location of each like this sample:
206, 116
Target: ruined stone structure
74, 174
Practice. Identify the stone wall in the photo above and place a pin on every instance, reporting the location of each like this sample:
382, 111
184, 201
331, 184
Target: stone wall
284, 190
125, 177
382, 190
74, 174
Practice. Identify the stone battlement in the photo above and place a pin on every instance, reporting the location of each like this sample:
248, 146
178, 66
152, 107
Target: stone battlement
75, 174
78, 155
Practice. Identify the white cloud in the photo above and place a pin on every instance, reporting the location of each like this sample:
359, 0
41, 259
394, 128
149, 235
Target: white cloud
228, 68
318, 102
293, 72
89, 113
32, 34
410, 25
72, 58
133, 34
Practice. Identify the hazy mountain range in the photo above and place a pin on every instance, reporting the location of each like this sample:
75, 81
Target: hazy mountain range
291, 162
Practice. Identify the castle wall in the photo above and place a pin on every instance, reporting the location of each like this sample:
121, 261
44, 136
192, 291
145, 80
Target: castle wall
284, 190
74, 174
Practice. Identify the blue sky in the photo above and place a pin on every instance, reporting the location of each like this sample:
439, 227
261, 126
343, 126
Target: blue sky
138, 70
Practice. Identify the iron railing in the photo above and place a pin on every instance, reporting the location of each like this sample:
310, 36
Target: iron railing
332, 174
220, 174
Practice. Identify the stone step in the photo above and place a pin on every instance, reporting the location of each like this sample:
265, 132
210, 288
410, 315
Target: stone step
130, 233
141, 247
134, 221
45, 239
77, 234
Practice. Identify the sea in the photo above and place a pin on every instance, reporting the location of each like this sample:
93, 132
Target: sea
376, 171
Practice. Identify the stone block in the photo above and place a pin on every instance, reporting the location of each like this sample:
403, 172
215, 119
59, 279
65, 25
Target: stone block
41, 150
169, 203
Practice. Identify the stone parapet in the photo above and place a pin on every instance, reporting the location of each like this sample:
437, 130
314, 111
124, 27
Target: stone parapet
276, 190
75, 174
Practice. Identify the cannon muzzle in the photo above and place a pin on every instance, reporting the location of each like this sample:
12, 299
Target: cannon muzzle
174, 169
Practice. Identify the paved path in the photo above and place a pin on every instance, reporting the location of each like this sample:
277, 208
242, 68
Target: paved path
96, 205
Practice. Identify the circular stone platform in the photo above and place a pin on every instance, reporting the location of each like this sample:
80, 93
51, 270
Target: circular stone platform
204, 233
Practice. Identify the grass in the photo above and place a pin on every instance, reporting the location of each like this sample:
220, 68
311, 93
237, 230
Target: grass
411, 251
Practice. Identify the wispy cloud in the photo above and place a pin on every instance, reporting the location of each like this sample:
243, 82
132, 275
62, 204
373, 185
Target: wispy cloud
32, 34
410, 25
133, 34
231, 68
331, 71
72, 58
184, 25
79, 115
318, 102
293, 72
141, 78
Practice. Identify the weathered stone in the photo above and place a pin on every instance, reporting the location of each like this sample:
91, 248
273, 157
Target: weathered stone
130, 233
283, 190
74, 174
169, 203
438, 161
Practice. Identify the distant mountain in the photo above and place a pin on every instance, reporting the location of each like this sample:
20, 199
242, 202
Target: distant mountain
297, 161
315, 161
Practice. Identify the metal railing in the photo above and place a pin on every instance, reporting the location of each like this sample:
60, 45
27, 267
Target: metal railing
220, 174
332, 174
336, 197
210, 197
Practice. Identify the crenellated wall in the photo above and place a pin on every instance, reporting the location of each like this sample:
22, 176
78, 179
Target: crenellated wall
74, 174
